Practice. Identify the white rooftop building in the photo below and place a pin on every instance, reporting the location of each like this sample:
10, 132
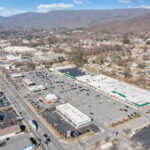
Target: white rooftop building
19, 49
120, 90
17, 75
50, 98
12, 57
25, 42
75, 116
36, 88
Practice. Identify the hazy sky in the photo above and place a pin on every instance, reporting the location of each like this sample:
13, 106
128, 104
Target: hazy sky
11, 7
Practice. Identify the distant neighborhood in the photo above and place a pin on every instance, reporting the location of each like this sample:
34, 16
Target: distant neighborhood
125, 57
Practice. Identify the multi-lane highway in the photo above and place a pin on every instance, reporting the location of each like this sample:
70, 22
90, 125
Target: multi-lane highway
28, 114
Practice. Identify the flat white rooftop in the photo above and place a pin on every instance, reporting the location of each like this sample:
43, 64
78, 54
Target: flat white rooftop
12, 57
35, 88
16, 75
74, 115
19, 49
124, 91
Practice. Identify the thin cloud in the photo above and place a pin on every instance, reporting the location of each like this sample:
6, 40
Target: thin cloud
57, 6
143, 6
125, 1
4, 12
78, 2
128, 1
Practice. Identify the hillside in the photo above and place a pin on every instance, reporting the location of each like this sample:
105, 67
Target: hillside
68, 18
135, 25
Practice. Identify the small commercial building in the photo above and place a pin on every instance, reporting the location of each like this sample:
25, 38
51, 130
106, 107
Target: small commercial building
17, 75
13, 58
4, 64
9, 132
73, 115
27, 82
50, 98
36, 88
19, 49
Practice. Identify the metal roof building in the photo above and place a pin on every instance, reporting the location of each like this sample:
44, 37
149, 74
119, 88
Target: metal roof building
76, 117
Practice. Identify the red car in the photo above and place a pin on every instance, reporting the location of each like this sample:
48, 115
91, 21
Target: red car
48, 139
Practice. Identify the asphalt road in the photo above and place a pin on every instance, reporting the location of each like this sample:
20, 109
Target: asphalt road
28, 114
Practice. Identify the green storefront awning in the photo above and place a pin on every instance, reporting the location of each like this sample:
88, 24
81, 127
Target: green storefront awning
69, 76
138, 105
122, 95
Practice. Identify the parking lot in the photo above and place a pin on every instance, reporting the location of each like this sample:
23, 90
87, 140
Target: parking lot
7, 118
102, 109
18, 142
143, 137
3, 100
73, 71
63, 126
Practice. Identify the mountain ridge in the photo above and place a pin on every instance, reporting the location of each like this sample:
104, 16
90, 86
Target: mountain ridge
68, 18
133, 25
